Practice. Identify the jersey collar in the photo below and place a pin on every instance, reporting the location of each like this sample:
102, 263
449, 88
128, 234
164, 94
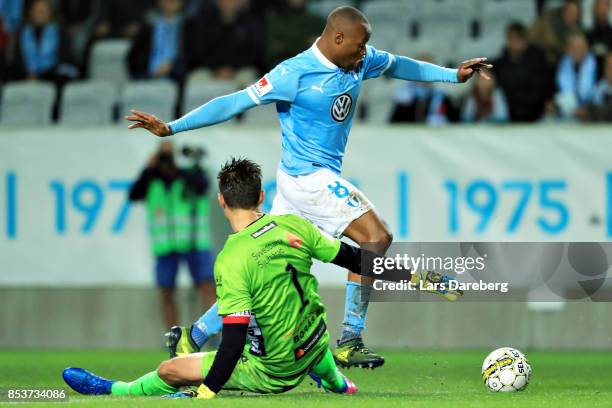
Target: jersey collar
251, 227
322, 58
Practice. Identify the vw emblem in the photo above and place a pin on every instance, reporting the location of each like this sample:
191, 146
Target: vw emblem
341, 107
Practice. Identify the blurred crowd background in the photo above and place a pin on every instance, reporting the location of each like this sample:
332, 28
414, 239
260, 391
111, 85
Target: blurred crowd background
86, 61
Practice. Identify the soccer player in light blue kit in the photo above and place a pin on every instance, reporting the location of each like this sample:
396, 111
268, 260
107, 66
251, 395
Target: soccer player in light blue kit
316, 95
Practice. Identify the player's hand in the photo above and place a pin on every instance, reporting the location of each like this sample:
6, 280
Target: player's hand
205, 393
468, 68
150, 122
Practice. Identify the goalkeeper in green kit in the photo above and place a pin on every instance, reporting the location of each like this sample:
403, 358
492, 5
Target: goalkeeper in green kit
266, 293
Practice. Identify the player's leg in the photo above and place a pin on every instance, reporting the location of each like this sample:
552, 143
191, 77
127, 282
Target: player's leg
337, 207
371, 233
171, 374
327, 375
185, 340
166, 268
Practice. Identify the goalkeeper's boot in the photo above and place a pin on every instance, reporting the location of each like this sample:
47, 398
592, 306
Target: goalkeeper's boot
353, 353
435, 280
180, 342
348, 387
85, 382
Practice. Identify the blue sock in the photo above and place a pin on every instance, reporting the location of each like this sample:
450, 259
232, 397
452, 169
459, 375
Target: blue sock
207, 325
355, 310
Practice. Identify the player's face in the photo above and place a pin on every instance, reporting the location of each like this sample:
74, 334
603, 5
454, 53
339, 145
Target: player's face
354, 46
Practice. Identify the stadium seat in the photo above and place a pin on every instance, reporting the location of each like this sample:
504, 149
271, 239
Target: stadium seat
587, 14
108, 60
200, 75
200, 92
158, 97
551, 4
324, 7
441, 51
382, 12
446, 20
262, 115
88, 102
510, 10
390, 37
377, 97
27, 103
496, 15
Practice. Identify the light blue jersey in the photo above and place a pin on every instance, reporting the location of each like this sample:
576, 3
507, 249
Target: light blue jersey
316, 102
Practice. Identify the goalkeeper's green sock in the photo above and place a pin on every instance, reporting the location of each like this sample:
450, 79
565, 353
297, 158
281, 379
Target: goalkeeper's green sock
148, 384
327, 371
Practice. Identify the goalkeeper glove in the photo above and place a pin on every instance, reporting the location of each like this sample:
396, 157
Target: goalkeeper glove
205, 393
433, 280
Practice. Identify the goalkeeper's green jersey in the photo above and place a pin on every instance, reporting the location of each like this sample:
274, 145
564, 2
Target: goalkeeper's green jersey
265, 270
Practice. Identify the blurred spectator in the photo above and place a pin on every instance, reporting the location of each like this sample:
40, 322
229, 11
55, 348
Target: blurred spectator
600, 36
421, 102
177, 208
291, 31
11, 13
602, 96
260, 8
157, 50
551, 31
79, 18
263, 8
485, 102
42, 50
225, 38
524, 75
122, 18
576, 77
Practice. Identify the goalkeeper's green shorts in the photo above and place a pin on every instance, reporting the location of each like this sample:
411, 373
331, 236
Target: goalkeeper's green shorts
247, 376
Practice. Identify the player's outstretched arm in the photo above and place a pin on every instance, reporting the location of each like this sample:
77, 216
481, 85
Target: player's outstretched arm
216, 111
412, 70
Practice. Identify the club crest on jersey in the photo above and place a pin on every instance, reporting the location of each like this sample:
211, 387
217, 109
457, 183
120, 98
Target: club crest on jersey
263, 86
341, 107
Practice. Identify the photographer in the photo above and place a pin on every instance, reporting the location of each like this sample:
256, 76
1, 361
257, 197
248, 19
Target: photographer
178, 209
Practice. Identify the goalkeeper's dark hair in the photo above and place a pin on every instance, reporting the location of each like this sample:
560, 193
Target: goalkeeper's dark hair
240, 183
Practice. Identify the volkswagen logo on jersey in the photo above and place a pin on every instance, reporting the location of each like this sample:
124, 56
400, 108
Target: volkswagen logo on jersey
341, 107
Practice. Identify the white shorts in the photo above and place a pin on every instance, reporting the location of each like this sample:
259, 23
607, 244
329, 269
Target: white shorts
323, 198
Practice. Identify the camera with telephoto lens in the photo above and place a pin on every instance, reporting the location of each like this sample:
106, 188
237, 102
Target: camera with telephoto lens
195, 153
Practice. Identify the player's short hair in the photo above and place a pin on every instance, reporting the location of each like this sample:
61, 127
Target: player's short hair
345, 15
240, 183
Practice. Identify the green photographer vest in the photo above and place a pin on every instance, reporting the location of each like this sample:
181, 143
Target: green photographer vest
173, 223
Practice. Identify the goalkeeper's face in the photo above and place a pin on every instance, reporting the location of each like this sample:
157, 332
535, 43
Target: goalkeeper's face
352, 47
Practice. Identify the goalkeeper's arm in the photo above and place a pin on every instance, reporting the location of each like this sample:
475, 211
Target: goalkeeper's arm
233, 339
361, 261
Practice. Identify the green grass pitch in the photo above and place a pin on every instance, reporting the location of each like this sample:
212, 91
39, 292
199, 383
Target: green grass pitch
408, 379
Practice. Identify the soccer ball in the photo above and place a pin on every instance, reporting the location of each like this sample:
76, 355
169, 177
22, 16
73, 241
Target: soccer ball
506, 370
